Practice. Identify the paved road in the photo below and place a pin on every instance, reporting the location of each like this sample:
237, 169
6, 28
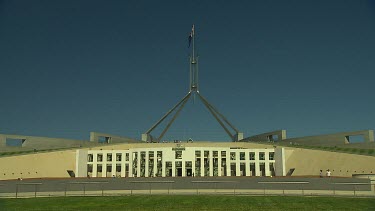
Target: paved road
185, 183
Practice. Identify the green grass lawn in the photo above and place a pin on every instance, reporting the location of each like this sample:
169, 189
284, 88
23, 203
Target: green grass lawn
201, 202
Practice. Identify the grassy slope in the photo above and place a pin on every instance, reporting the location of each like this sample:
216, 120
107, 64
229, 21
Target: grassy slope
165, 202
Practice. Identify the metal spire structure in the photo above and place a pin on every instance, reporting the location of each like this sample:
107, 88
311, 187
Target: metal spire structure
193, 90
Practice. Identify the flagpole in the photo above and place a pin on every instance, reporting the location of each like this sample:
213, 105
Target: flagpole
193, 38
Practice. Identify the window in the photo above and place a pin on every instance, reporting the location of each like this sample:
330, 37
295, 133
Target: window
160, 155
109, 157
89, 167
261, 156
242, 155
272, 156
206, 154
232, 156
109, 168
99, 168
252, 155
118, 157
127, 156
143, 155
198, 154
215, 154
100, 158
223, 154
90, 157
178, 155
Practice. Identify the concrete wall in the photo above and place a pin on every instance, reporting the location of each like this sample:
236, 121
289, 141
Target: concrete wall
56, 164
81, 163
187, 155
121, 146
36, 142
305, 161
40, 143
309, 162
110, 139
331, 139
50, 164
267, 137
280, 164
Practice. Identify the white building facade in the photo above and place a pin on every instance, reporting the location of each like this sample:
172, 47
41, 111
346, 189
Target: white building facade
180, 161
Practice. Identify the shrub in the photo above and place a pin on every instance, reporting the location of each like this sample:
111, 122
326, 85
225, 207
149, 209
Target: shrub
370, 151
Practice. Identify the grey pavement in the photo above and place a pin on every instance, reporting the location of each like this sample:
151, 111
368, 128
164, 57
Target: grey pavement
187, 185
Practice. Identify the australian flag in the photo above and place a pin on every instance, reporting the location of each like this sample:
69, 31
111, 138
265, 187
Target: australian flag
191, 35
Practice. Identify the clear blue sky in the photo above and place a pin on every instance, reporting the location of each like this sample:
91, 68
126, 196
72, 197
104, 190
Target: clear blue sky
68, 67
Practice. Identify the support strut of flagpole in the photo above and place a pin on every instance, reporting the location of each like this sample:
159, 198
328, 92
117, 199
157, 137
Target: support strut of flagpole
232, 132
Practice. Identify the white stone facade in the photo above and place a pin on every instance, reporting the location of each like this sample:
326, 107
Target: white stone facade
180, 161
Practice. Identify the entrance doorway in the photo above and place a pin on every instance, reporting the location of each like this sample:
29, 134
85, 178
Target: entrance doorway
179, 172
189, 172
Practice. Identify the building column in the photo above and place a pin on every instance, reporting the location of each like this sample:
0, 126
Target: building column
155, 163
229, 173
247, 163
211, 165
104, 165
267, 168
130, 163
193, 164
219, 163
202, 163
238, 170
183, 168
257, 168
173, 168
163, 167
139, 164
114, 163
123, 165
146, 163
94, 164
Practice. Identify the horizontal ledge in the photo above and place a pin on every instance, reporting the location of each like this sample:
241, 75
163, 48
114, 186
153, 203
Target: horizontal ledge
86, 183
350, 183
286, 182
151, 182
29, 183
214, 181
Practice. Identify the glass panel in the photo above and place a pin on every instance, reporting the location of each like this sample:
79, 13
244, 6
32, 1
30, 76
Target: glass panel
261, 156
252, 155
99, 168
100, 158
178, 155
232, 156
118, 157
271, 156
109, 157
242, 155
118, 168
198, 154
90, 157
89, 167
